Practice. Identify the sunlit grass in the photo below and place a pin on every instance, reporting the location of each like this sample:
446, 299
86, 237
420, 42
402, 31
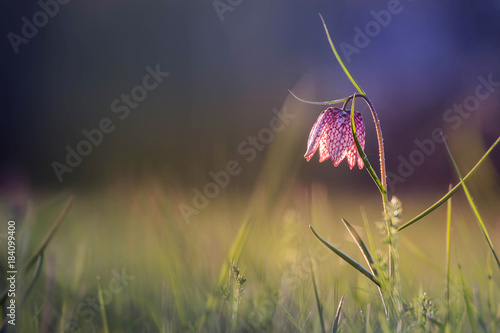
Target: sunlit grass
177, 266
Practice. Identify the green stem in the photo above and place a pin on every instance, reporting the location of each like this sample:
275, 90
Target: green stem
383, 172
382, 184
452, 191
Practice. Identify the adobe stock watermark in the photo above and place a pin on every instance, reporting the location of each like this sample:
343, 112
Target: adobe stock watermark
454, 116
121, 107
88, 309
248, 150
29, 29
363, 38
223, 6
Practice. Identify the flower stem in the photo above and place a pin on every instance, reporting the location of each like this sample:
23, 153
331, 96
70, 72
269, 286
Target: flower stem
383, 173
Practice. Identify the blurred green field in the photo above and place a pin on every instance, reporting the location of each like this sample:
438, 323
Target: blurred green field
161, 274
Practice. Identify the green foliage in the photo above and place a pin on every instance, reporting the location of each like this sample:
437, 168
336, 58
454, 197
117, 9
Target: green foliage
419, 313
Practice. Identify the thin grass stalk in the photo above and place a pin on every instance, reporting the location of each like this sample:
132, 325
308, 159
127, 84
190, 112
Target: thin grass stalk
368, 258
383, 185
452, 192
448, 243
378, 129
49, 235
473, 206
103, 307
336, 321
468, 303
491, 295
346, 258
316, 296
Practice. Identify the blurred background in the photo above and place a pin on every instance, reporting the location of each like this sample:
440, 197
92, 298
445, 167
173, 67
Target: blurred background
229, 67
427, 66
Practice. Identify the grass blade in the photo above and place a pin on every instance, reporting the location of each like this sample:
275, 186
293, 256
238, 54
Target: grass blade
49, 235
491, 296
347, 259
369, 234
234, 254
362, 247
36, 275
346, 71
472, 205
103, 307
43, 245
468, 303
335, 101
316, 296
368, 258
452, 191
448, 243
336, 321
291, 319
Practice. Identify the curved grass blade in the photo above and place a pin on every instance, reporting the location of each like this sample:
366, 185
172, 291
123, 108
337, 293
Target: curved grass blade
472, 205
336, 321
49, 235
346, 71
347, 259
450, 193
42, 246
318, 303
368, 258
335, 101
36, 275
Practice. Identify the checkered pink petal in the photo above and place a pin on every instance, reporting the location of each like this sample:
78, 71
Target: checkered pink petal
331, 134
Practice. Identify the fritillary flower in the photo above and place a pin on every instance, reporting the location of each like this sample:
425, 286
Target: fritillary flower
333, 136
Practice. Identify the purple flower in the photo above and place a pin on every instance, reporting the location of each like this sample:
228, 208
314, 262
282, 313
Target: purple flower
333, 136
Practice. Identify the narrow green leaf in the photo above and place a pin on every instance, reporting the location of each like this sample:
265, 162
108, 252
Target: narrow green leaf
49, 235
316, 296
336, 321
103, 307
361, 245
468, 303
36, 275
437, 323
448, 244
290, 318
34, 258
491, 295
368, 258
472, 205
234, 254
335, 101
346, 71
346, 258
450, 193
369, 234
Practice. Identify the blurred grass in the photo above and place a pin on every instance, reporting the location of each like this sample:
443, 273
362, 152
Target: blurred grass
135, 228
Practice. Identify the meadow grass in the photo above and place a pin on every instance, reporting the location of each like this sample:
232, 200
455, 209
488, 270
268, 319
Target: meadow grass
125, 260
181, 270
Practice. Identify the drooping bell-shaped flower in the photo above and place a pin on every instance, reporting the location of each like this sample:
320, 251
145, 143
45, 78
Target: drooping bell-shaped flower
333, 136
